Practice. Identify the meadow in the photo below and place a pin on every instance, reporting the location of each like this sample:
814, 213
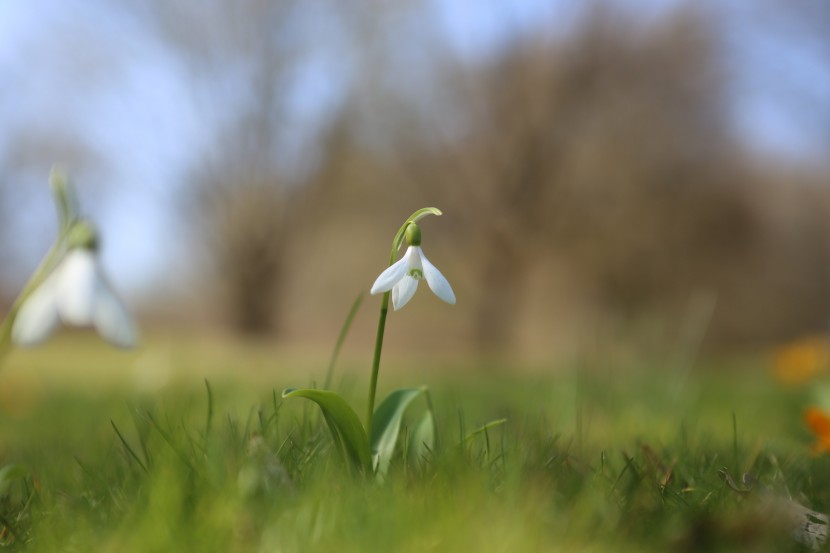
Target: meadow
637, 223
599, 456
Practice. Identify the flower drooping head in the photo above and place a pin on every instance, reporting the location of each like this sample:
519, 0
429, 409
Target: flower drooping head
76, 293
402, 276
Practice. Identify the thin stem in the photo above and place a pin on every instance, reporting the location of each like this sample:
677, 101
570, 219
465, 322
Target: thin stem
384, 309
373, 384
38, 277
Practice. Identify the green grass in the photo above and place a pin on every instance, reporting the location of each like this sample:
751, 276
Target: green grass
588, 460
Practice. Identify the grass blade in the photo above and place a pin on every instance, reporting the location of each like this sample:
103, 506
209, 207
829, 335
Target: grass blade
127, 446
344, 331
171, 442
485, 428
209, 416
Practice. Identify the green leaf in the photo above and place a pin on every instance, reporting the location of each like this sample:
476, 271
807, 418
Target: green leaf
422, 439
386, 425
343, 423
9, 474
414, 218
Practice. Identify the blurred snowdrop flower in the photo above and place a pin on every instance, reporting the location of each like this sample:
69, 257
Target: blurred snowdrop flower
402, 276
75, 293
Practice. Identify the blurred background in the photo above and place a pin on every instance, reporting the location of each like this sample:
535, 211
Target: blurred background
651, 173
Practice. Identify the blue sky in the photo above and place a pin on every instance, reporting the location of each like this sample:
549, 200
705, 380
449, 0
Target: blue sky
83, 66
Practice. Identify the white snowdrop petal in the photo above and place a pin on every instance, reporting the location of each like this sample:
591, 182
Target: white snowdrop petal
77, 283
395, 292
436, 281
415, 258
111, 319
406, 289
37, 317
390, 276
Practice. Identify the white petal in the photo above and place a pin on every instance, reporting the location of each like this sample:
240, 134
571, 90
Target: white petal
77, 281
415, 258
403, 291
391, 275
38, 316
111, 319
437, 283
395, 292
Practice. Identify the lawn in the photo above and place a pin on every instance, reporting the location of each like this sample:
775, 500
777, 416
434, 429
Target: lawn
607, 457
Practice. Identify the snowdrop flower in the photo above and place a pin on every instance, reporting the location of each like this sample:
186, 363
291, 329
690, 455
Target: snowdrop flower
76, 293
402, 277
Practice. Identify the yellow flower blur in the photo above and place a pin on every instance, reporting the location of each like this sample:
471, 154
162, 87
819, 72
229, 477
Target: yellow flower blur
802, 360
819, 422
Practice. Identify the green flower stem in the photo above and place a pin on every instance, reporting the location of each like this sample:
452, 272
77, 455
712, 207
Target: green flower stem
373, 383
46, 266
384, 309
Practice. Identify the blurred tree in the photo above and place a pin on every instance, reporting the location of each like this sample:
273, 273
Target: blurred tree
249, 202
656, 203
605, 145
608, 146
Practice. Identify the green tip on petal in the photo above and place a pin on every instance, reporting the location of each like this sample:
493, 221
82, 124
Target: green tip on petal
82, 235
413, 234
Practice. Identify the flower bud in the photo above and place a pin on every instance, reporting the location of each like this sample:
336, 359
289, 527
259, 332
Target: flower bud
413, 235
82, 235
